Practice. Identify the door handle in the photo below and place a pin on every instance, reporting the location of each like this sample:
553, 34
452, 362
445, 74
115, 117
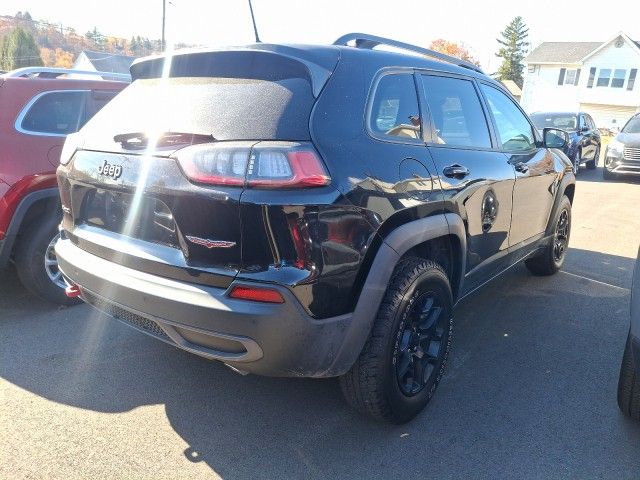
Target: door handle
455, 171
521, 167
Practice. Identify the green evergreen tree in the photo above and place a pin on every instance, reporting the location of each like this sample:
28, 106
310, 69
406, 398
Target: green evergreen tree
18, 49
514, 48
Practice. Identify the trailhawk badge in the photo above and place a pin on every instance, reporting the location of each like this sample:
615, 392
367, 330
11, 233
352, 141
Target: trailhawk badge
110, 170
205, 242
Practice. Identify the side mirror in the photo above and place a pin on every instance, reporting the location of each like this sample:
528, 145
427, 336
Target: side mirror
555, 138
584, 128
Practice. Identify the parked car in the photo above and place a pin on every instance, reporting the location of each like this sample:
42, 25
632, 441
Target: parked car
310, 211
584, 137
623, 152
39, 108
629, 382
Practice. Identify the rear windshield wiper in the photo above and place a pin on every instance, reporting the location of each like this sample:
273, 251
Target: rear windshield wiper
140, 140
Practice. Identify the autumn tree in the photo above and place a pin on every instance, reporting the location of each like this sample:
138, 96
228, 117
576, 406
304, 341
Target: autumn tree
56, 57
513, 50
18, 49
458, 50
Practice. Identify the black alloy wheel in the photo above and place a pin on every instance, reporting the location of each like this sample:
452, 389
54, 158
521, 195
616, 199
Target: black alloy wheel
561, 236
418, 355
549, 259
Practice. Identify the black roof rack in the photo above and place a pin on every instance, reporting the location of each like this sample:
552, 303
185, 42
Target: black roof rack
364, 40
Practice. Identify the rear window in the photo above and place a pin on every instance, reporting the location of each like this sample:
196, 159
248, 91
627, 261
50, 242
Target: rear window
231, 97
54, 113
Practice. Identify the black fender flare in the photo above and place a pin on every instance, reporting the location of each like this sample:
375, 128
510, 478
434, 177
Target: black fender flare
6, 245
567, 180
393, 247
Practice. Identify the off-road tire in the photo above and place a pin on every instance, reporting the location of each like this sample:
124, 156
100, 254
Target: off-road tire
371, 386
545, 262
29, 260
629, 384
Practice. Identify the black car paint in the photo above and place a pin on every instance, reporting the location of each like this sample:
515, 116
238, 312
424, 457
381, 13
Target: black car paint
503, 204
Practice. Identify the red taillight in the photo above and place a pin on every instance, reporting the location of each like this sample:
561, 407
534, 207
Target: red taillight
215, 164
266, 165
265, 295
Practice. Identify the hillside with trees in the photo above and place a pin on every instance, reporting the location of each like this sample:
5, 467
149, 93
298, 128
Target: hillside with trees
58, 45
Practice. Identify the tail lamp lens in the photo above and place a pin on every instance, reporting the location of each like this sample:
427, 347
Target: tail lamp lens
267, 165
264, 295
214, 165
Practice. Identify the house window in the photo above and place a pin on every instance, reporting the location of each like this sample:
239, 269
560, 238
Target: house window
570, 77
632, 78
592, 77
618, 78
604, 77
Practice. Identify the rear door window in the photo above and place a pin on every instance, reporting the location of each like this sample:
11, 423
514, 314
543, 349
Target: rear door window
456, 111
394, 109
54, 113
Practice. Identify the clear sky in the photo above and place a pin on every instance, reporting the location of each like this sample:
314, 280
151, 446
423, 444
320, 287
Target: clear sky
215, 22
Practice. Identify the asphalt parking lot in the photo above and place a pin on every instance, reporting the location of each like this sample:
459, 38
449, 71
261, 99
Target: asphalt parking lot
529, 393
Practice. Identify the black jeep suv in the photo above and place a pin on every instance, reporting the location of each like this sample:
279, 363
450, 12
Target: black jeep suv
310, 211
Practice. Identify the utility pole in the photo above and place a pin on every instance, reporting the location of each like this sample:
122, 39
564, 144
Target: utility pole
164, 12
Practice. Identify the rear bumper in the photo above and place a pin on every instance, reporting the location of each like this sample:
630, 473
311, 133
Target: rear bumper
266, 339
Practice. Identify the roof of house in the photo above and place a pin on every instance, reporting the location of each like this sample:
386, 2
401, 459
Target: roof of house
561, 52
572, 52
109, 62
513, 87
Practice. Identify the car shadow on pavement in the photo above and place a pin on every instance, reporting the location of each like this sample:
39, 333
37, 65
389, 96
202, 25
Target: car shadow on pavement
530, 389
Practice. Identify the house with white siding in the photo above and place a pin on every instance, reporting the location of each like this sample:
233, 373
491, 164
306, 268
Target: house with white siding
595, 77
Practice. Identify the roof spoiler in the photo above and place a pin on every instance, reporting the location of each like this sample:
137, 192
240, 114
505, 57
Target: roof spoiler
154, 66
366, 41
51, 72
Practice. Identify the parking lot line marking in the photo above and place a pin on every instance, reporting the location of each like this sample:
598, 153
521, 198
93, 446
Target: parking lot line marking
596, 281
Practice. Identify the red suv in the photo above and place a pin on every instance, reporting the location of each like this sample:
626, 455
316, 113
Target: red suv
38, 110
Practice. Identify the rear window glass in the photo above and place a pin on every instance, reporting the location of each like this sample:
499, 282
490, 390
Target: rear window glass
236, 95
58, 113
226, 108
